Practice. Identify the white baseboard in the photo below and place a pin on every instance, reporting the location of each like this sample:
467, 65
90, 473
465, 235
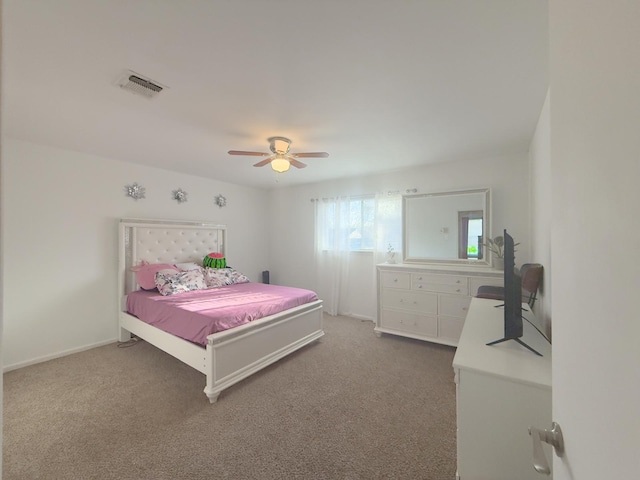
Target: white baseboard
46, 358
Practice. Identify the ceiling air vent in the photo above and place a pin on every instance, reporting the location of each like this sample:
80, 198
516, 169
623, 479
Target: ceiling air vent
140, 85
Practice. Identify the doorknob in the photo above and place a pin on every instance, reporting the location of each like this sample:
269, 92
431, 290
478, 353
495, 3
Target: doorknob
554, 438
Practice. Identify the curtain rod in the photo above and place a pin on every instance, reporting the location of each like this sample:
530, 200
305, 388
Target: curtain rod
397, 192
389, 193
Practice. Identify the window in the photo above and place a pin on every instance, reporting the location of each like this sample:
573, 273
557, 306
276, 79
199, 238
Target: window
359, 224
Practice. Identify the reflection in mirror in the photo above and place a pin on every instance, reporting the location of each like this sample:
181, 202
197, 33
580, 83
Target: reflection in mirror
446, 227
470, 238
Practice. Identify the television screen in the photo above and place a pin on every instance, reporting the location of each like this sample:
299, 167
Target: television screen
512, 297
512, 291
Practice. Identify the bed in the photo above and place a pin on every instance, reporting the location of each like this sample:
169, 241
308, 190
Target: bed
227, 356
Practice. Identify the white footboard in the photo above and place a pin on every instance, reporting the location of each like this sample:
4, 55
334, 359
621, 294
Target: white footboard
237, 353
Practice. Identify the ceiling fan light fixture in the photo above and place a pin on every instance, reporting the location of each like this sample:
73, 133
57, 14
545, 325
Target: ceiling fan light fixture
280, 164
279, 145
279, 158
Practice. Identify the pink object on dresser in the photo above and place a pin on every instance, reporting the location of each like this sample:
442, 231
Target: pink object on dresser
195, 315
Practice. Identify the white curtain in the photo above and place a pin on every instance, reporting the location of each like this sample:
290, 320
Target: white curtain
345, 233
332, 253
388, 229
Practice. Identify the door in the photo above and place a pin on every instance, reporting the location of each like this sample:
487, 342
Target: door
595, 174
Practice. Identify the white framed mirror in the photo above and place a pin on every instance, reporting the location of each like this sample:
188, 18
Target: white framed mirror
447, 227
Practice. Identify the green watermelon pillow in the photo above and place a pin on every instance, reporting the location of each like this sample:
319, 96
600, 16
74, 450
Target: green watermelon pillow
214, 260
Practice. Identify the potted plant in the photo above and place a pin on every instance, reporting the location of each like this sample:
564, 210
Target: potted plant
496, 246
391, 254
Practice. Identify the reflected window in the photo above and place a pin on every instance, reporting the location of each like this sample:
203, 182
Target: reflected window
470, 237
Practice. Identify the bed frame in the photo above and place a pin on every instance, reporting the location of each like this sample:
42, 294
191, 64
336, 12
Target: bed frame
229, 356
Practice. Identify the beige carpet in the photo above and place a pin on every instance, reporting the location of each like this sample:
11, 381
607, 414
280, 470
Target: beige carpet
350, 406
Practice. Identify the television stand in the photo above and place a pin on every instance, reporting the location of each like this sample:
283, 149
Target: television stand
517, 340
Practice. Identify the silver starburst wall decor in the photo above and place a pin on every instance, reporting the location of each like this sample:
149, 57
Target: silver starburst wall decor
179, 195
220, 201
134, 191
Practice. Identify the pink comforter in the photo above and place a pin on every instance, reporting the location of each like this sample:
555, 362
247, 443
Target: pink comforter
195, 315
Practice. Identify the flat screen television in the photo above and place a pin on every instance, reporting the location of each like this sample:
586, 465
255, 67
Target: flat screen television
512, 297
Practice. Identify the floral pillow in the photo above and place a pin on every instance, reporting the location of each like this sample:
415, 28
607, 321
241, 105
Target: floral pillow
219, 277
169, 283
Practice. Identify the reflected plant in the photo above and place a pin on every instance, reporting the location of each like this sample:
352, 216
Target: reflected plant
496, 246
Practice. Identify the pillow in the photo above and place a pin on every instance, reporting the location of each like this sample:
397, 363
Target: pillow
219, 277
184, 267
146, 273
214, 260
170, 283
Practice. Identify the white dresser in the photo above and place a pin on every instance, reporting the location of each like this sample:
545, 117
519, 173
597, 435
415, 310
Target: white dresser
501, 390
428, 302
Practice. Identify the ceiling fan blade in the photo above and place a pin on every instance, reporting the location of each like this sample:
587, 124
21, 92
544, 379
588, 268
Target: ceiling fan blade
252, 154
311, 155
263, 162
297, 163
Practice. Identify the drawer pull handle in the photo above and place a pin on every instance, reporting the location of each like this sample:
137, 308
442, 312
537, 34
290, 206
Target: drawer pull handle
457, 281
395, 279
457, 290
419, 286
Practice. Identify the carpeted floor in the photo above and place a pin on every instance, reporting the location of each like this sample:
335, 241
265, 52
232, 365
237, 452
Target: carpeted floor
350, 406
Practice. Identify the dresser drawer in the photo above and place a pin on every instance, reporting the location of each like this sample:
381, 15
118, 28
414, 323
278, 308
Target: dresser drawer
410, 322
395, 280
408, 300
460, 289
454, 305
417, 278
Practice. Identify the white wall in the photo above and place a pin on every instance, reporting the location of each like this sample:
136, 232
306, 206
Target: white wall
595, 171
292, 220
541, 211
60, 214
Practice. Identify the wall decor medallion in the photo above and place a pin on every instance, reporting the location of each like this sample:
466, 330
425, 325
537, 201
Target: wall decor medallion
134, 191
221, 201
179, 195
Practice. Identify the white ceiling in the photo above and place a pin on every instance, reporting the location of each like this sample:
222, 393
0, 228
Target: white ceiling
379, 84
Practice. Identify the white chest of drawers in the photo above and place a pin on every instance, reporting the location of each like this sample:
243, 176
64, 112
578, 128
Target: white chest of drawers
501, 390
428, 303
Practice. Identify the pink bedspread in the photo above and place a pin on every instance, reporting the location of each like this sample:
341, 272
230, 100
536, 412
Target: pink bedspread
195, 315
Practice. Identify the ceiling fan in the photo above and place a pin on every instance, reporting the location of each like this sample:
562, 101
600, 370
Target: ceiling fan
280, 158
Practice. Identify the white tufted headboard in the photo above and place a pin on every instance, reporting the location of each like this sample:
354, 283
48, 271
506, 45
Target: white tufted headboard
164, 241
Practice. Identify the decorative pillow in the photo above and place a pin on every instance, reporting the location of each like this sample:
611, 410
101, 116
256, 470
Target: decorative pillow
219, 277
146, 273
170, 283
184, 267
214, 260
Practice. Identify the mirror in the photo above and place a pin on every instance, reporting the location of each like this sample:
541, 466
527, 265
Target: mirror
446, 227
